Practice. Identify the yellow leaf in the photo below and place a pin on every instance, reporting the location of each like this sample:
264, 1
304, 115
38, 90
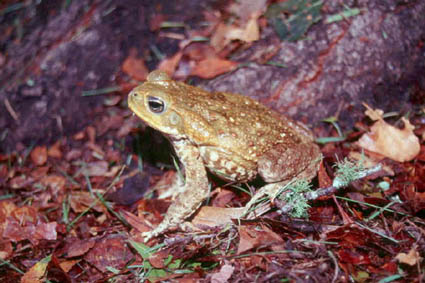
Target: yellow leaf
36, 273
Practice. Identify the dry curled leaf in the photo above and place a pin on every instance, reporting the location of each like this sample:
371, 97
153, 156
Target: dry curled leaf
412, 258
398, 144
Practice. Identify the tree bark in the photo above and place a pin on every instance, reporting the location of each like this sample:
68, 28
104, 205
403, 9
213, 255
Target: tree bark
375, 57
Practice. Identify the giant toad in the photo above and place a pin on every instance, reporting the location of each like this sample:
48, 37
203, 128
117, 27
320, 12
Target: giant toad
234, 136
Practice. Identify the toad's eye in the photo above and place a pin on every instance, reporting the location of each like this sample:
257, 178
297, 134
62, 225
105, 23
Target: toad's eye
156, 105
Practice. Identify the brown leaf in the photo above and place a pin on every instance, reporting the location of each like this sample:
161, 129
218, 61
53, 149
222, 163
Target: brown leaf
79, 136
6, 249
67, 265
224, 274
110, 251
399, 145
39, 155
212, 67
244, 9
55, 150
25, 214
135, 67
252, 237
6, 208
412, 258
216, 216
46, 231
249, 33
15, 232
21, 182
157, 259
324, 179
55, 182
373, 114
80, 201
39, 172
169, 65
135, 221
353, 256
73, 154
91, 133
222, 197
77, 247
96, 168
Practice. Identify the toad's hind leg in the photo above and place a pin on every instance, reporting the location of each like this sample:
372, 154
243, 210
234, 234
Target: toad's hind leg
282, 164
194, 191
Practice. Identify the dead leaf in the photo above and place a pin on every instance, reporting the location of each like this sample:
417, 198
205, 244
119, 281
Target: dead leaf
96, 168
412, 258
80, 201
39, 155
224, 34
16, 232
135, 222
39, 172
78, 247
169, 65
324, 179
135, 67
221, 197
211, 67
250, 33
216, 216
36, 273
252, 237
55, 182
158, 259
91, 133
6, 249
110, 251
79, 136
73, 154
21, 182
224, 274
25, 214
67, 265
373, 114
244, 9
399, 145
55, 151
46, 231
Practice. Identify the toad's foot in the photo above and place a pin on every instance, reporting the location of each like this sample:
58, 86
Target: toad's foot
256, 207
162, 227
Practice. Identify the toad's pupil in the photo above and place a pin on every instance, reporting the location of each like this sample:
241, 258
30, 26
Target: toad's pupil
156, 105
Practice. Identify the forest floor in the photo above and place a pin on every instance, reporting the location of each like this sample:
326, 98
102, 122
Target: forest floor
74, 210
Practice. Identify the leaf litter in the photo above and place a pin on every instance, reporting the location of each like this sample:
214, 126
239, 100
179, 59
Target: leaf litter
58, 220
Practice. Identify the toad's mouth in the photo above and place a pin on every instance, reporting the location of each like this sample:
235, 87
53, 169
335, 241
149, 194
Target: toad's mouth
134, 103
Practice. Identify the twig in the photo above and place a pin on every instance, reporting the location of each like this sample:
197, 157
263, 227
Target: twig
10, 109
338, 183
332, 256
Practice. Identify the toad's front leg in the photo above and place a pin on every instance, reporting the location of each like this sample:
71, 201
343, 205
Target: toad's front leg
194, 191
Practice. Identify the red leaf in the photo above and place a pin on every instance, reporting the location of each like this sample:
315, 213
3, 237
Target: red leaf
39, 155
